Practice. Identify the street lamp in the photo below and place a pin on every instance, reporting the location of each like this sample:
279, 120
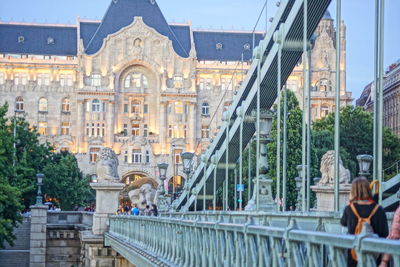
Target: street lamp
364, 162
299, 183
187, 158
39, 199
162, 168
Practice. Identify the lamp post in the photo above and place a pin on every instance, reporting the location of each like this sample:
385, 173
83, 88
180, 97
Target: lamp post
299, 185
187, 158
262, 193
162, 202
39, 198
364, 162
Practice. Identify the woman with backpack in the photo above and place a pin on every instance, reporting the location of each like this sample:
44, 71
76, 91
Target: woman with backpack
362, 208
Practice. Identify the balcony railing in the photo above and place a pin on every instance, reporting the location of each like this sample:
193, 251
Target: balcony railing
181, 242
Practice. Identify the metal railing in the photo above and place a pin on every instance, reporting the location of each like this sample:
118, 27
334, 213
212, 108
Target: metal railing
181, 242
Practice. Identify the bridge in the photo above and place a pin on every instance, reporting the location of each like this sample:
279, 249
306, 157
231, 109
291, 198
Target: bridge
187, 234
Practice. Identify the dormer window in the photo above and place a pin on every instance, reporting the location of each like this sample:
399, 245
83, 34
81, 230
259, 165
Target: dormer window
135, 80
219, 46
138, 42
21, 39
96, 79
178, 81
246, 46
50, 40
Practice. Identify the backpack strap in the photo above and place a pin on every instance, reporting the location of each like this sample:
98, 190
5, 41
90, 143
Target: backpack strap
353, 208
373, 211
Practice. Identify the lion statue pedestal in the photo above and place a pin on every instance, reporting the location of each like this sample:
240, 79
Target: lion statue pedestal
107, 189
324, 190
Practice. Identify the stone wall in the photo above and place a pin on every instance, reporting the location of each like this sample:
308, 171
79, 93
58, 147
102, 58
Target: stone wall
18, 255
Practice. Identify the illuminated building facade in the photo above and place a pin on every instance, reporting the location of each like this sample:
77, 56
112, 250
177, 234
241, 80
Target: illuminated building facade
148, 89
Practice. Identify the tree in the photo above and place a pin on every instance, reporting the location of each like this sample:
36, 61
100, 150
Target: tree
65, 183
356, 137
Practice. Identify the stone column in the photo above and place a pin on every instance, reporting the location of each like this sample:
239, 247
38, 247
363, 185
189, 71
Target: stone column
107, 198
37, 254
80, 125
110, 124
163, 130
192, 125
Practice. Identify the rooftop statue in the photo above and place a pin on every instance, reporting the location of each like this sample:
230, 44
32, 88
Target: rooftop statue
328, 170
107, 165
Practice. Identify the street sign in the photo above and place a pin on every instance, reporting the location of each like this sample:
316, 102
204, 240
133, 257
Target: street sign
240, 187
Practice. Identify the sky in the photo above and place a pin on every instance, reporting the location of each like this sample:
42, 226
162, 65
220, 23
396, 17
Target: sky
358, 16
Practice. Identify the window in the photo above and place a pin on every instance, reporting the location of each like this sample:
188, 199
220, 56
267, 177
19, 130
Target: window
145, 108
1, 77
138, 42
226, 83
42, 128
136, 156
169, 108
19, 104
218, 46
205, 131
104, 107
170, 131
145, 130
95, 105
87, 129
92, 129
135, 130
43, 79
178, 107
65, 128
186, 109
205, 83
96, 79
20, 78
98, 129
66, 80
125, 132
324, 85
184, 131
177, 156
50, 40
43, 104
205, 109
178, 81
126, 108
324, 111
135, 107
65, 105
93, 153
126, 156
147, 156
135, 80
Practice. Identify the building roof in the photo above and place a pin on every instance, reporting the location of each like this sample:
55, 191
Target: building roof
224, 46
87, 30
121, 13
38, 39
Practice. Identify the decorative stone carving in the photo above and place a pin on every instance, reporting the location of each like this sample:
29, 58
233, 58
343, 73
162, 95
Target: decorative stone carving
328, 170
143, 192
107, 165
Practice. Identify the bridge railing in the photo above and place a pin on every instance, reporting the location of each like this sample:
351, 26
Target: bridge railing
181, 242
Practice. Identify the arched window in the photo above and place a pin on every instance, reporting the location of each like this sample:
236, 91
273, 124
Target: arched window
43, 104
138, 42
65, 105
205, 109
19, 104
324, 111
95, 105
136, 80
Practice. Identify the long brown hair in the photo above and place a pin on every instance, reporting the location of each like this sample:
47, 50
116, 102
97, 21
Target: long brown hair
360, 189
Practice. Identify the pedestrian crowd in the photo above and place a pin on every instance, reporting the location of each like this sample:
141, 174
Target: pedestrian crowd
126, 209
363, 209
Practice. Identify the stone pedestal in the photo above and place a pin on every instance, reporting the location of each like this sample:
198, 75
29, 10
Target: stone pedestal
265, 196
37, 253
107, 199
325, 196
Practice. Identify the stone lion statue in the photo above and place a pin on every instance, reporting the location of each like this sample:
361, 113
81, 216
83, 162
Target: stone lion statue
328, 170
107, 165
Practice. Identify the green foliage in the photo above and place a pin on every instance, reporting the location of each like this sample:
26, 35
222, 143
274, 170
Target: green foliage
65, 183
18, 169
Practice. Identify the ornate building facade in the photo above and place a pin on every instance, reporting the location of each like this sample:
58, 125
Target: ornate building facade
132, 82
391, 98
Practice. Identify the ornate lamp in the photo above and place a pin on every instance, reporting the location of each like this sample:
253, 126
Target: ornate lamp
364, 162
162, 168
187, 158
39, 199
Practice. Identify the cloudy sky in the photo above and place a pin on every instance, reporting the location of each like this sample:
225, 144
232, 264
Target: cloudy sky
358, 16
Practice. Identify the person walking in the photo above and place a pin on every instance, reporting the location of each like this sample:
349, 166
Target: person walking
147, 211
394, 234
362, 208
135, 210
